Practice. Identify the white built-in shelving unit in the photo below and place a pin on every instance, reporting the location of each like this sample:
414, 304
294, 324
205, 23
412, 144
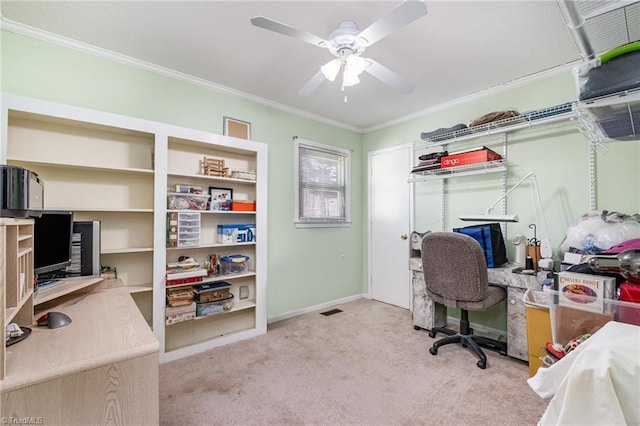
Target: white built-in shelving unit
117, 170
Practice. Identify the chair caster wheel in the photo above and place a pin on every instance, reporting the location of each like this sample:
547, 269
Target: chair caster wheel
482, 364
415, 327
432, 334
433, 351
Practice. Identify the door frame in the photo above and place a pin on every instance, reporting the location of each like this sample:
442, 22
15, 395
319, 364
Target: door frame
409, 148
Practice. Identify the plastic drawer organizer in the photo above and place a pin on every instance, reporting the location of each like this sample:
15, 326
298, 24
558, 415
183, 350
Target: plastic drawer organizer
183, 229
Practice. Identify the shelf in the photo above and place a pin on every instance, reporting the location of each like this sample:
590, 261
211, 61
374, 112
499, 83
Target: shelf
468, 170
68, 286
84, 167
138, 288
240, 305
217, 278
214, 245
489, 129
211, 178
127, 250
11, 312
211, 211
227, 212
21, 253
612, 118
87, 209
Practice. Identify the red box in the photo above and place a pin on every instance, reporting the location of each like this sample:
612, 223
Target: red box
471, 157
629, 293
243, 206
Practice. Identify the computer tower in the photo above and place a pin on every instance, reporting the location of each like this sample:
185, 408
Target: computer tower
89, 248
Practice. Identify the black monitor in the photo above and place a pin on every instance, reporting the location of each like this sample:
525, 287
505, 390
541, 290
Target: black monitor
53, 234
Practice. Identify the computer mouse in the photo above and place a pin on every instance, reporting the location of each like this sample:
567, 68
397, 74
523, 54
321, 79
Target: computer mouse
54, 319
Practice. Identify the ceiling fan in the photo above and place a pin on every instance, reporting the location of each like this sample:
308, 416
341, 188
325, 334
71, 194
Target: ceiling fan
347, 44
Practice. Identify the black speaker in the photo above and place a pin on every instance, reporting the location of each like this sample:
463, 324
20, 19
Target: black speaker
85, 258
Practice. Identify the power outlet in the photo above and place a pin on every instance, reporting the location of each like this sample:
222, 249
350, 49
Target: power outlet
244, 292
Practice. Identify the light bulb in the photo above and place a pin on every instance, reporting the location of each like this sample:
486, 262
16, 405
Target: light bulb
349, 79
330, 69
355, 64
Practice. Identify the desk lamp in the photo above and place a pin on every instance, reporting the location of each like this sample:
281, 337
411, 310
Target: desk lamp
546, 252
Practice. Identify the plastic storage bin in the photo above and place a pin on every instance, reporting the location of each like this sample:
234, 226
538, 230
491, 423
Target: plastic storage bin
182, 201
208, 308
568, 322
234, 264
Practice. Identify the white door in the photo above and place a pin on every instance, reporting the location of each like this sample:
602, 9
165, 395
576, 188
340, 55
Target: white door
390, 207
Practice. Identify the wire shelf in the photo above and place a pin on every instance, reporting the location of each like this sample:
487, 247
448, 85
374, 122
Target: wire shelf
527, 119
466, 170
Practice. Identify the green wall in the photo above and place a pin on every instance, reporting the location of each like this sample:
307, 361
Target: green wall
557, 153
305, 266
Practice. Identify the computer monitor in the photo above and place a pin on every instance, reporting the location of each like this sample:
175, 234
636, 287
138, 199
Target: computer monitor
53, 234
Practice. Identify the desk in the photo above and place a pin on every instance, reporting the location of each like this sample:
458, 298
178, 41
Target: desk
100, 369
428, 314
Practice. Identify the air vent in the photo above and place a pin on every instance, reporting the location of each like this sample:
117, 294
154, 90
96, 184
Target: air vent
331, 312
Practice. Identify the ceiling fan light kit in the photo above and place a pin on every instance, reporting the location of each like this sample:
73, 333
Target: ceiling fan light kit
348, 43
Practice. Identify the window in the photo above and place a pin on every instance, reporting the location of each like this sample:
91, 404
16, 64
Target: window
322, 185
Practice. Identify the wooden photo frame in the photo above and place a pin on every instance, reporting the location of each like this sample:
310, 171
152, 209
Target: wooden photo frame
237, 128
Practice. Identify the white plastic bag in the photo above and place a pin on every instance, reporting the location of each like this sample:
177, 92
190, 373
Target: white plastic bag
600, 230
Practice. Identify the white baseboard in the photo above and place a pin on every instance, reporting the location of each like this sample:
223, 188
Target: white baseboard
314, 308
483, 330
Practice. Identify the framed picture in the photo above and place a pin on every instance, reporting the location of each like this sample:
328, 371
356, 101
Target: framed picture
237, 128
220, 198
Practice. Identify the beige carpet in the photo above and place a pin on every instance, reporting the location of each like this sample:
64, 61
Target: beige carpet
363, 366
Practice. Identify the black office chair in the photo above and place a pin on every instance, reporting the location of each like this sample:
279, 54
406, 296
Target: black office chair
455, 273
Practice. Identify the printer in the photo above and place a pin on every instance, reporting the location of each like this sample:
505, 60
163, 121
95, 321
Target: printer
22, 192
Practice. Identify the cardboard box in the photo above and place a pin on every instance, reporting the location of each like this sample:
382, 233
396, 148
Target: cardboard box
243, 206
236, 233
178, 314
584, 291
470, 157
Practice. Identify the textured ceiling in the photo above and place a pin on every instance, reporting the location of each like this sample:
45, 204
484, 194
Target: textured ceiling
457, 49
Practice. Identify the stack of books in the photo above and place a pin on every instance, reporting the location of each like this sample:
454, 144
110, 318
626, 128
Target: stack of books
186, 271
180, 277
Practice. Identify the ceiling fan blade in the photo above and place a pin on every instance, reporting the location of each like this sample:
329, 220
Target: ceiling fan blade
388, 77
313, 84
402, 15
271, 25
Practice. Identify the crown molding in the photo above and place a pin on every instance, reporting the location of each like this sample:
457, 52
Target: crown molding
26, 30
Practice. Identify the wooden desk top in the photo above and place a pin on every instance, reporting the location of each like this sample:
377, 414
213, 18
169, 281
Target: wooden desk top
106, 327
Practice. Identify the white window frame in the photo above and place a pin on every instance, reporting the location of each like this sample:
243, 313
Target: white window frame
344, 189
